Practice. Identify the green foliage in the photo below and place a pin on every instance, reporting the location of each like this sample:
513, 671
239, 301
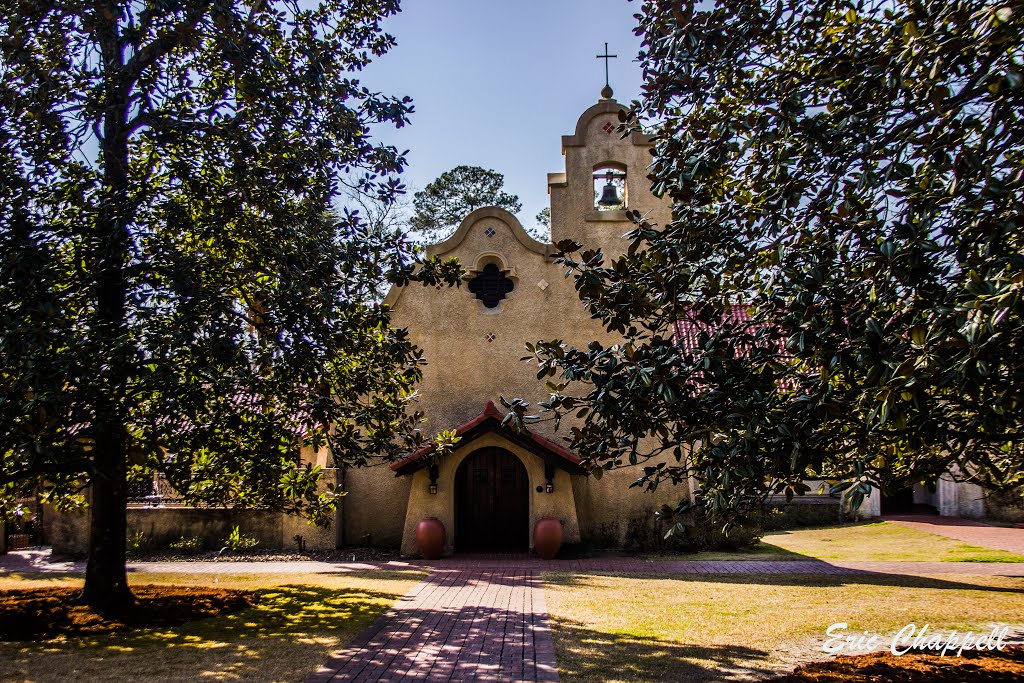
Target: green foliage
139, 544
237, 541
543, 217
171, 282
654, 531
453, 195
849, 175
708, 534
187, 545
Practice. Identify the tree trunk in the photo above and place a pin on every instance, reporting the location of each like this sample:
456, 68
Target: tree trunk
106, 585
106, 580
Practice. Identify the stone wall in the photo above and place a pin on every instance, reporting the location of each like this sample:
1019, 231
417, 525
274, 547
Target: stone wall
68, 532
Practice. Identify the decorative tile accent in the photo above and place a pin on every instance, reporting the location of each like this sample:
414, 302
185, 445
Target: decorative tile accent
608, 127
490, 336
543, 284
490, 232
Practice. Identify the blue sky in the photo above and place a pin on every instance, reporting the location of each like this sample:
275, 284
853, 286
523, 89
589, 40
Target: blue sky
496, 84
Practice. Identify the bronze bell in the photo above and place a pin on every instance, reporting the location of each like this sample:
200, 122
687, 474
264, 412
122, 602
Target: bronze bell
609, 195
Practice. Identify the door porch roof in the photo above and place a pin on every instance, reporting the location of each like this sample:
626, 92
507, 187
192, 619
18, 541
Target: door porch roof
490, 420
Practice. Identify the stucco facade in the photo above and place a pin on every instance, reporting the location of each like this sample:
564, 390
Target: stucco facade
473, 351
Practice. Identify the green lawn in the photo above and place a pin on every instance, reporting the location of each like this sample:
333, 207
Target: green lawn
299, 621
700, 628
869, 541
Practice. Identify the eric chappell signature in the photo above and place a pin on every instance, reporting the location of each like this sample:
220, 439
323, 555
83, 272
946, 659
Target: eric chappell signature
911, 638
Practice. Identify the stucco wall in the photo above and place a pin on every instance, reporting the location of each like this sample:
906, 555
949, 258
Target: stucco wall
572, 193
959, 499
374, 507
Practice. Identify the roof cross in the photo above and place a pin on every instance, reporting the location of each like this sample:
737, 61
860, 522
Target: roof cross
606, 57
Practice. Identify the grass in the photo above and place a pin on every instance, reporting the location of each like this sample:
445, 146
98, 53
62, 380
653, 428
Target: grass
694, 628
299, 621
869, 541
882, 541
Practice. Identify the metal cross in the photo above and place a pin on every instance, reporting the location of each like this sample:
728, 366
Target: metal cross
606, 57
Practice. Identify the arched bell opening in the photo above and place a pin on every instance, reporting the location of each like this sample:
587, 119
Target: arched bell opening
610, 186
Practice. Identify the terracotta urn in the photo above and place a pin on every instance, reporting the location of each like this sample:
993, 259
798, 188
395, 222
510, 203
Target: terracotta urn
547, 537
430, 538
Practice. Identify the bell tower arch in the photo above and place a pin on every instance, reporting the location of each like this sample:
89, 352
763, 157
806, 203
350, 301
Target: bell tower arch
605, 175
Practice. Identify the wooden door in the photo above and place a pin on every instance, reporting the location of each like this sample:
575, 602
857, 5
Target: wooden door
492, 502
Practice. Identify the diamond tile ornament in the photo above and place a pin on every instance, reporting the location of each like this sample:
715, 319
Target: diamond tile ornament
543, 284
608, 127
490, 232
490, 336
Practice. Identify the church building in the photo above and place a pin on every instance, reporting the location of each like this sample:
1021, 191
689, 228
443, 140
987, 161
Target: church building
496, 483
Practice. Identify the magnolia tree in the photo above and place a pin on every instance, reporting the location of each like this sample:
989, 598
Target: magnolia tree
845, 246
174, 296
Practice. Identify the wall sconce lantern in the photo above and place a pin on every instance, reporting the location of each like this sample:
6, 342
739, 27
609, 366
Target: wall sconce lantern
549, 488
432, 473
549, 476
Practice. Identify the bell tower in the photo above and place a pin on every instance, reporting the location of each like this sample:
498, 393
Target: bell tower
605, 175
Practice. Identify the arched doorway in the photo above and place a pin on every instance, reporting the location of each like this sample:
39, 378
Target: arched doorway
492, 502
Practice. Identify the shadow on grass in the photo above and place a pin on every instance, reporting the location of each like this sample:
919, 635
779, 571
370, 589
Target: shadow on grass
280, 612
285, 636
587, 655
762, 551
847, 578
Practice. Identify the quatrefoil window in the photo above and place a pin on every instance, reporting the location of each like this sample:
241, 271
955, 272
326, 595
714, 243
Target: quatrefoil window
491, 285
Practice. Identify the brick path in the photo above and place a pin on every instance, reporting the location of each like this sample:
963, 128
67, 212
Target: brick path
644, 566
966, 530
457, 625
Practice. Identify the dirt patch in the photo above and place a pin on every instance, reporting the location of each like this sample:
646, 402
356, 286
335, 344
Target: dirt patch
44, 613
883, 667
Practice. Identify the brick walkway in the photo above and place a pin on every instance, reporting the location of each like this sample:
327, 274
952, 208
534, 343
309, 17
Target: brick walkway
660, 567
966, 530
456, 625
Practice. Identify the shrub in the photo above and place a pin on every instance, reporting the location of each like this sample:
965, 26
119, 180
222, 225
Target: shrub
707, 534
191, 544
236, 540
139, 544
802, 515
647, 533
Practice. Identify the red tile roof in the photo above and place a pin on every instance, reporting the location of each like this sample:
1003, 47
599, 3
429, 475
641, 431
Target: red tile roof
487, 421
687, 332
